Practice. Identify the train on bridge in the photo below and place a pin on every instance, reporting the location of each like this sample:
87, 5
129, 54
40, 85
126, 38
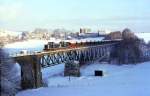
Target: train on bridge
52, 46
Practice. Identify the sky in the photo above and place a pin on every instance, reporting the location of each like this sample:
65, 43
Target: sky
21, 15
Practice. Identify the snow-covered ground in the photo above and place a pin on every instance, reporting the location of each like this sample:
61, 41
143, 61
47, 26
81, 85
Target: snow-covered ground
125, 80
26, 44
145, 36
30, 45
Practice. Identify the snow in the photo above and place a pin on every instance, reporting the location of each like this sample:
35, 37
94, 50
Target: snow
125, 80
4, 32
27, 44
145, 36
52, 71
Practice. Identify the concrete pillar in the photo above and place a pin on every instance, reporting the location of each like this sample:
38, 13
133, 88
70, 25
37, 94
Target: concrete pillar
72, 68
31, 76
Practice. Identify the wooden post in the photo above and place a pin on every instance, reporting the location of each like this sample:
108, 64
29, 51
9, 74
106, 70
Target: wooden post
31, 76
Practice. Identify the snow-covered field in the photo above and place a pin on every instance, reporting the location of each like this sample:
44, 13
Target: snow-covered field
26, 44
30, 45
125, 80
145, 36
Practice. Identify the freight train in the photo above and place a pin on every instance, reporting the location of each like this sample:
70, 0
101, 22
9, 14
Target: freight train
51, 46
61, 45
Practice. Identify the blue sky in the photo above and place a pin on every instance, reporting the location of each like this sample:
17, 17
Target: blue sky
73, 14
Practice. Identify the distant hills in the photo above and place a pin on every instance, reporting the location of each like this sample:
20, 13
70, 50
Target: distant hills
4, 32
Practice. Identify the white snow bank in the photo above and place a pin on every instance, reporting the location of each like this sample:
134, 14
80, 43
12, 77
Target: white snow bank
27, 44
126, 80
145, 36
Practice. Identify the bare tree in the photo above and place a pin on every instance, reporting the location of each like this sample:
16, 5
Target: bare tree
129, 50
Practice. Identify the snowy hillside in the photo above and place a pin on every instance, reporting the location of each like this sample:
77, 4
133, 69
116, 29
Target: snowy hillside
27, 44
126, 80
4, 32
145, 36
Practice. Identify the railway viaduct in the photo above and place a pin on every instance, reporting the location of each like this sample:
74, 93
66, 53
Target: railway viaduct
31, 64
